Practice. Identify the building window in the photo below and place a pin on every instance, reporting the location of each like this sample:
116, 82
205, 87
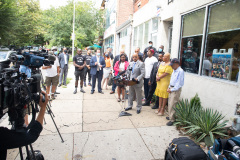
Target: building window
135, 36
154, 24
191, 42
140, 36
222, 56
146, 34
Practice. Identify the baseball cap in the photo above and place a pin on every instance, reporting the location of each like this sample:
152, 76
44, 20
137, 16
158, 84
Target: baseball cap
174, 60
152, 51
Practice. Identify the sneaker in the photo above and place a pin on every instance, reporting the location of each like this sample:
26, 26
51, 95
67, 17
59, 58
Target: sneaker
75, 91
81, 90
89, 84
85, 85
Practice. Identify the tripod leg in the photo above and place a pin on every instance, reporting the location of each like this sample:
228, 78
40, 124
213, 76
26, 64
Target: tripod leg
32, 151
50, 111
44, 121
20, 151
55, 125
28, 154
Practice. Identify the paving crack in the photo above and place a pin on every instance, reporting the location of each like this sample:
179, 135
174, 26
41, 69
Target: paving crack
141, 138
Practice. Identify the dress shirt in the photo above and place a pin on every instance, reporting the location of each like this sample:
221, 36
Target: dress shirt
134, 63
177, 79
98, 59
65, 58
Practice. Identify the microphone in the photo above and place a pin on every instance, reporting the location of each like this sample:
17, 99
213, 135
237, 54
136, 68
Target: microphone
51, 58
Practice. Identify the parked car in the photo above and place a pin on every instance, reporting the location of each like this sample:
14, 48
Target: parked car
4, 58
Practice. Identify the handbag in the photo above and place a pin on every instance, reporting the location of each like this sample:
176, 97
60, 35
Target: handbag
110, 82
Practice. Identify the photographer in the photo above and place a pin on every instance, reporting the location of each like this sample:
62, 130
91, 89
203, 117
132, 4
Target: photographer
11, 139
52, 77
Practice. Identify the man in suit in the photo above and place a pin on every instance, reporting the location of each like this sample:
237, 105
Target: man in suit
63, 60
97, 63
135, 71
153, 84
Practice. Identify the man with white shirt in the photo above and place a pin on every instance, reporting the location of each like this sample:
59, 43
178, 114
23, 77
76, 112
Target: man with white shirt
149, 61
174, 89
52, 76
63, 60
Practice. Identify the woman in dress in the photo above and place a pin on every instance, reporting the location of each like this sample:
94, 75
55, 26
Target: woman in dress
106, 70
163, 80
119, 67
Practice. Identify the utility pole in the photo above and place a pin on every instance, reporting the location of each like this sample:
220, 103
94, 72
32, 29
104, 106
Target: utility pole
73, 34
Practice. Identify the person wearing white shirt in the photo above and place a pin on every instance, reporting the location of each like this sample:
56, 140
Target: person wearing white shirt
174, 89
149, 61
52, 76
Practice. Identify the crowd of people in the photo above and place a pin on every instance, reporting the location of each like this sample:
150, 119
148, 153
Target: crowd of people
153, 71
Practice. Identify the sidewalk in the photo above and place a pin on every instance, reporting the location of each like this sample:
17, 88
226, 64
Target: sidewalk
92, 130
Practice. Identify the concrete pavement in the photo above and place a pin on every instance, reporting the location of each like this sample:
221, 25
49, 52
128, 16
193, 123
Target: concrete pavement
92, 129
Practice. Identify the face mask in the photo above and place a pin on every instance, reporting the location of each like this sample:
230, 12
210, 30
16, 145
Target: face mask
56, 53
106, 55
160, 50
65, 51
98, 54
150, 45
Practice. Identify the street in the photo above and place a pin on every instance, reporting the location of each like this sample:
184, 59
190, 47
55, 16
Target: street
92, 129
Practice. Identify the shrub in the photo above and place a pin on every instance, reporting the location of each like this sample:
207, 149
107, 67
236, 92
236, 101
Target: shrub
199, 123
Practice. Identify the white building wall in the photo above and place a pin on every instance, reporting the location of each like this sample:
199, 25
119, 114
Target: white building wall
214, 93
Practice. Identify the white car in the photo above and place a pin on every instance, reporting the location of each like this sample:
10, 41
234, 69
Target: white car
4, 58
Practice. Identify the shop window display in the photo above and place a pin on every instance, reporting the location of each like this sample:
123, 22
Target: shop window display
191, 43
222, 54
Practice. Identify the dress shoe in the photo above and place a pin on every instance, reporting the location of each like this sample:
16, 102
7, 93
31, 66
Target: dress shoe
101, 92
154, 107
75, 91
167, 118
59, 85
92, 92
138, 111
170, 123
128, 108
112, 92
146, 104
81, 90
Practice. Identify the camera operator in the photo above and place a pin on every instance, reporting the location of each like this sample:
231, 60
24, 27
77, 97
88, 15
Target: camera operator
52, 77
11, 139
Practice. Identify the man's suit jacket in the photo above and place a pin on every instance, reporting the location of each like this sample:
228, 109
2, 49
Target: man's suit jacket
154, 72
62, 60
93, 70
138, 72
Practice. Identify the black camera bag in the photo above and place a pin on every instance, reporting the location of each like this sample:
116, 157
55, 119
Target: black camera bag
184, 149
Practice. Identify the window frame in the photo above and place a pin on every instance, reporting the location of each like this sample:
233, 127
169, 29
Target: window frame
204, 41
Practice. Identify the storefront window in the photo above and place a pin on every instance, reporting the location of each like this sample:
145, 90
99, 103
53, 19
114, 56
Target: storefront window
154, 24
146, 34
140, 36
135, 36
222, 56
191, 43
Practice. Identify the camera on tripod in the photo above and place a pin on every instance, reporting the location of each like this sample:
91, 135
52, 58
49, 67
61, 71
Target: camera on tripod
17, 91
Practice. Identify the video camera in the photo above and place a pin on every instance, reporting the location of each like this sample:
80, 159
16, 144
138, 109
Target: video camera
17, 91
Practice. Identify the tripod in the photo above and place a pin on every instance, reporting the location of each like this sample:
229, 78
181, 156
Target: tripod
30, 157
49, 111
